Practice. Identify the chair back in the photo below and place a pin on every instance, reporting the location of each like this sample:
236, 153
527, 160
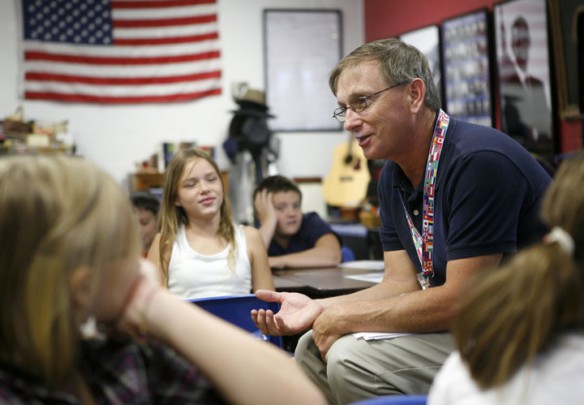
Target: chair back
395, 400
347, 254
236, 309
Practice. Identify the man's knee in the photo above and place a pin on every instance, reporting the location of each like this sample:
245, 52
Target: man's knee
305, 348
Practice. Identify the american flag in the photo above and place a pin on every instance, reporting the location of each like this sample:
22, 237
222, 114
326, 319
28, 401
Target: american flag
120, 51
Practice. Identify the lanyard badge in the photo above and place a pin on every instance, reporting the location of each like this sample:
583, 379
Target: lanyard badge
424, 243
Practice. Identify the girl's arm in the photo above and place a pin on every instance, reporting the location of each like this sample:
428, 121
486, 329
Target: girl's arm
260, 269
244, 369
154, 257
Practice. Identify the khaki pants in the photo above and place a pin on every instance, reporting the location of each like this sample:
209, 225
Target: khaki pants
357, 369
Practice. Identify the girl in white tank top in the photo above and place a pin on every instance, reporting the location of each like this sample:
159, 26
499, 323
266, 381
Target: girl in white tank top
199, 250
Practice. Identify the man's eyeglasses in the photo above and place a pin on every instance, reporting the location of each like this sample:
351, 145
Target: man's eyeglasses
360, 104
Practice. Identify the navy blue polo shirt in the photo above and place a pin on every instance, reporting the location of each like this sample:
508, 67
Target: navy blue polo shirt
487, 199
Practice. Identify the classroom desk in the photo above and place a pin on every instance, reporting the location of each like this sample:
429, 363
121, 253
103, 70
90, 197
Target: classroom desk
321, 282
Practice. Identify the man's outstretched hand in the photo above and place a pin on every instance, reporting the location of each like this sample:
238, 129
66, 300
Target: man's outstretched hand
297, 313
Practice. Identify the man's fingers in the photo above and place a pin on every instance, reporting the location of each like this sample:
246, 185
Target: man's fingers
268, 295
271, 323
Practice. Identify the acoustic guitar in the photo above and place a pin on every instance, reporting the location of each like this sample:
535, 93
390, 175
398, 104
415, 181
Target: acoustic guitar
347, 182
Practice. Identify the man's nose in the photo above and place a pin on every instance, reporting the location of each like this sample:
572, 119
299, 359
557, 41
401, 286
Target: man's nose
352, 120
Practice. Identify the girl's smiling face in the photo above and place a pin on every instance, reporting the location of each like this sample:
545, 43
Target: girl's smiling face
200, 190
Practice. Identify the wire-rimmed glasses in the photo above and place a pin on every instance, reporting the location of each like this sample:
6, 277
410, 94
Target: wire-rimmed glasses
360, 104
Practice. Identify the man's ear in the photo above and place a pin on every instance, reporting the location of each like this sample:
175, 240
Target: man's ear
80, 287
417, 94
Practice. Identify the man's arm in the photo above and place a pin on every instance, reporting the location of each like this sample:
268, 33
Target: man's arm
414, 310
326, 252
298, 312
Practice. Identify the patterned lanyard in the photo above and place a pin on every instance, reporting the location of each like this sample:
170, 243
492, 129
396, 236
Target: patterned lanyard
425, 243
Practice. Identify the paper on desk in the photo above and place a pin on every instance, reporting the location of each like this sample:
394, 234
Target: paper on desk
379, 335
368, 277
363, 265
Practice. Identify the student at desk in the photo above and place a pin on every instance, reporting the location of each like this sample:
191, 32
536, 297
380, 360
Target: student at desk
200, 251
294, 239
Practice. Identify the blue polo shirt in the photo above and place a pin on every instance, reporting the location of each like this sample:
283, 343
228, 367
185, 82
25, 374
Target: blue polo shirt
311, 230
487, 199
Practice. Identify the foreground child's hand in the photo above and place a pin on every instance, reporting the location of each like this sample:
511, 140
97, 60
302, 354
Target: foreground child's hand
133, 317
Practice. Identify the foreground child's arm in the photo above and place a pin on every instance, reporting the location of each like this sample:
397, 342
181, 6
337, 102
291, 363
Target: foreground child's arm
244, 369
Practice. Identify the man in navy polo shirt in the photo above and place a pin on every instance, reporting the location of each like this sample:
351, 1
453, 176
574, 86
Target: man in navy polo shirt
454, 198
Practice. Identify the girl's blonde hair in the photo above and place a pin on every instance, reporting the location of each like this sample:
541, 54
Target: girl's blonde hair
171, 215
520, 310
58, 214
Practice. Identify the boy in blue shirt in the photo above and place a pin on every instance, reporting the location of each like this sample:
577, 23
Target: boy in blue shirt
293, 238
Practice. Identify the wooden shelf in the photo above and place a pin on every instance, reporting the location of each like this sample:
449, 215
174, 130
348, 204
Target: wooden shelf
144, 181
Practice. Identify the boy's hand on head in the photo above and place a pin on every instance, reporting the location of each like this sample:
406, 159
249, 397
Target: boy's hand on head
264, 206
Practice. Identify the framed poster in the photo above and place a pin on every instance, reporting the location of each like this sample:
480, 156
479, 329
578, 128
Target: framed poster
301, 47
523, 71
427, 40
564, 15
466, 68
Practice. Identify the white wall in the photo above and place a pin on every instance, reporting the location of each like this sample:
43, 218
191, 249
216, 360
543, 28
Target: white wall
117, 137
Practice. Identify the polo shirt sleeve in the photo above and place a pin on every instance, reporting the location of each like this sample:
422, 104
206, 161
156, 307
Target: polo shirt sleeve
483, 201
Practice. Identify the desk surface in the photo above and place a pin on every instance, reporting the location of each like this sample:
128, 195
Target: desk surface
321, 282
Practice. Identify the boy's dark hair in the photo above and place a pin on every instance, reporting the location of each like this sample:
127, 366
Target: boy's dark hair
276, 184
146, 201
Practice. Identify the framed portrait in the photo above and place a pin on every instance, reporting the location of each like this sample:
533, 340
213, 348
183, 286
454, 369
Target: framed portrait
564, 15
301, 47
523, 70
466, 68
427, 40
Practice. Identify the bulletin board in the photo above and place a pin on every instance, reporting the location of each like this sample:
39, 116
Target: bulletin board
467, 68
427, 40
301, 47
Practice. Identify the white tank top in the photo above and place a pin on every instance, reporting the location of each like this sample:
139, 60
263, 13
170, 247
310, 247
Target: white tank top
193, 275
